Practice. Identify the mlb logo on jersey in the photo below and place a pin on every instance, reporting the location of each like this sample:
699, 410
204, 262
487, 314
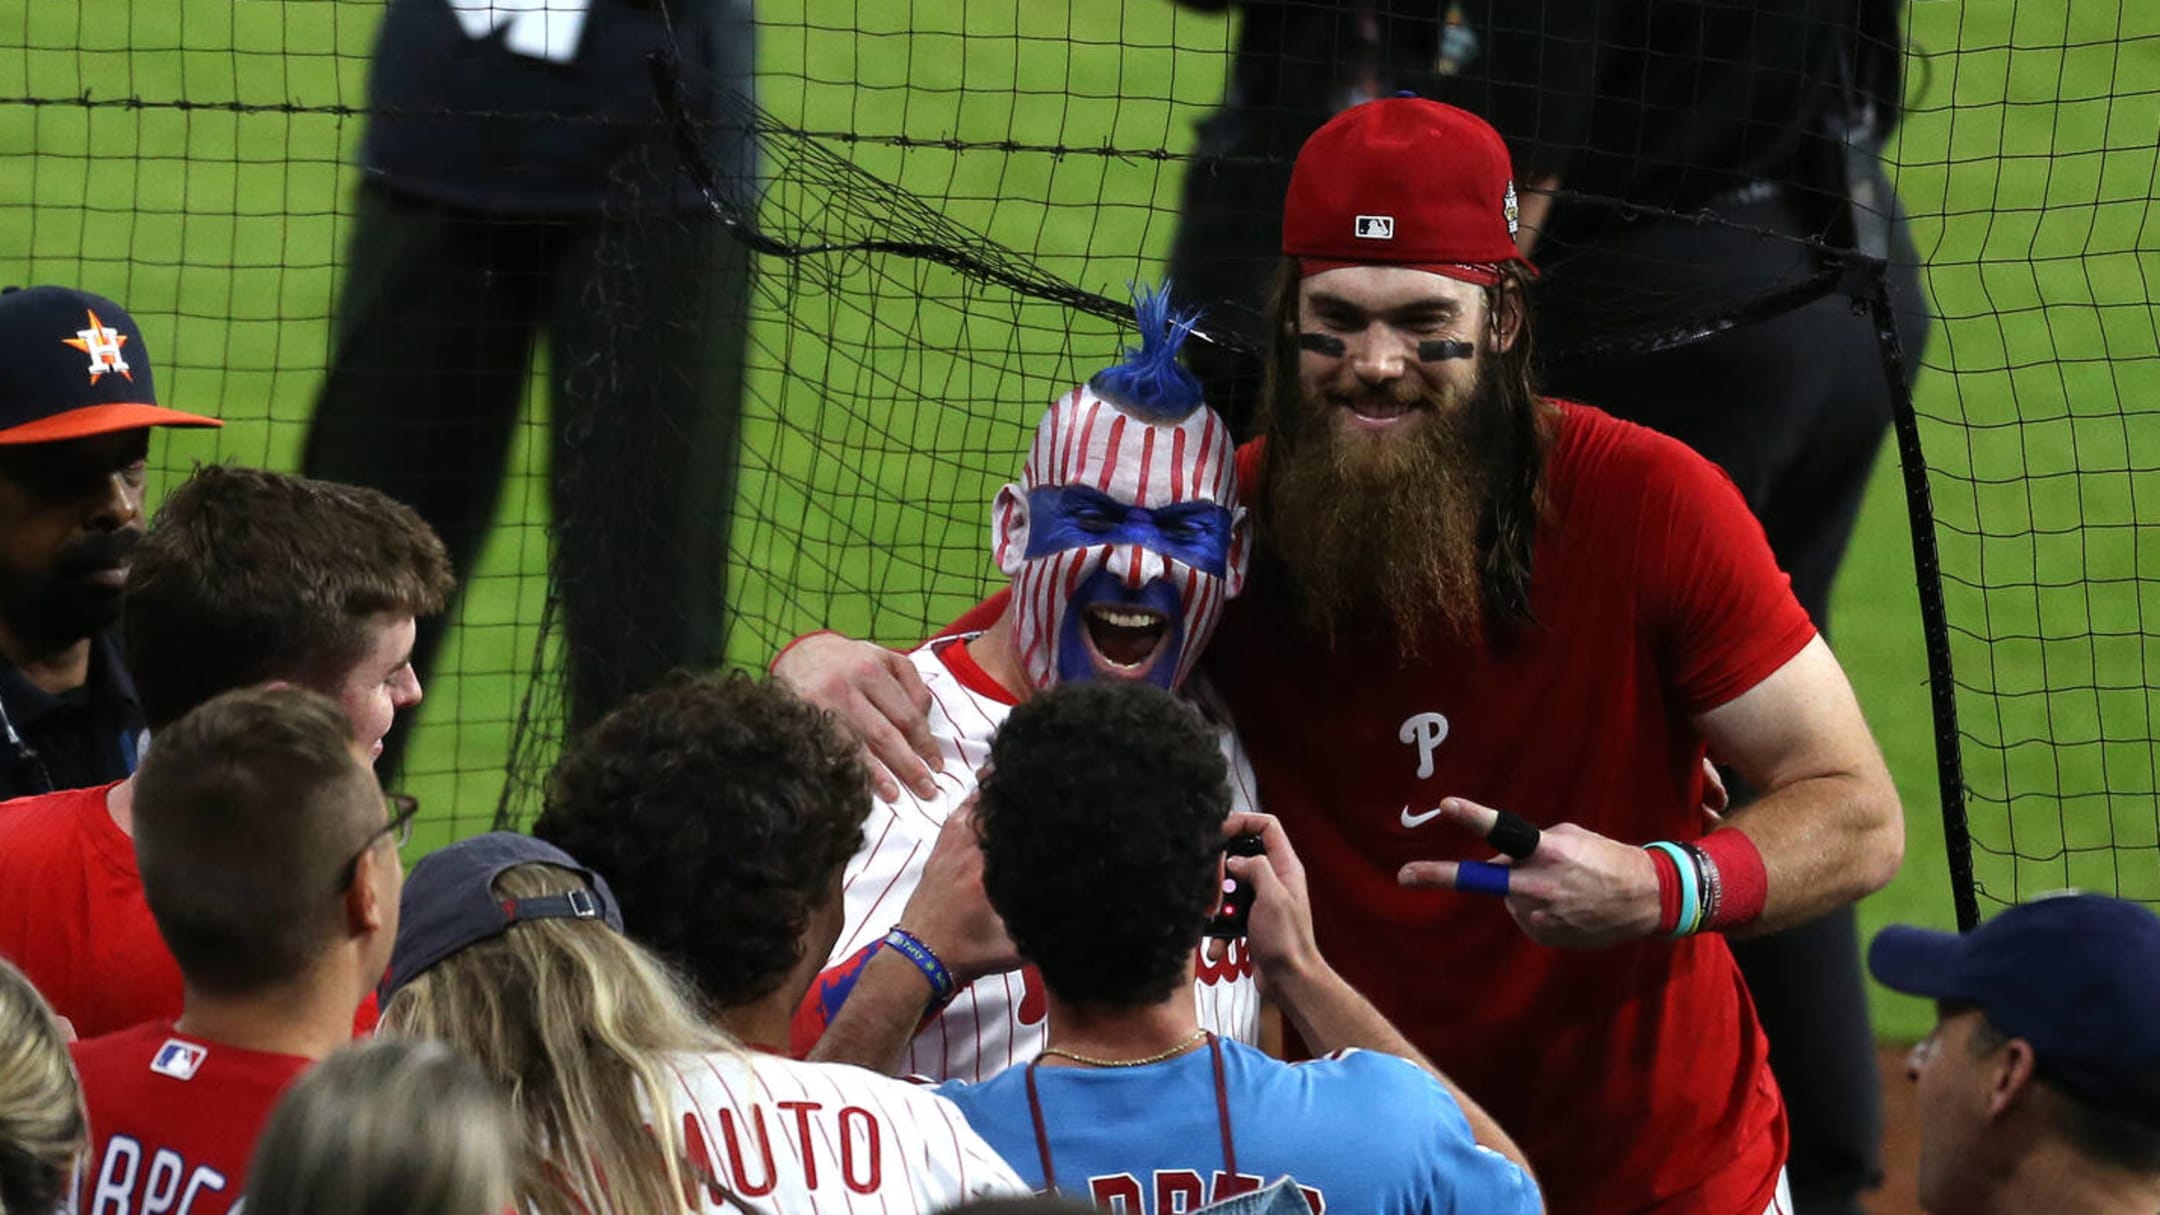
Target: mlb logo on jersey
1376, 227
178, 1059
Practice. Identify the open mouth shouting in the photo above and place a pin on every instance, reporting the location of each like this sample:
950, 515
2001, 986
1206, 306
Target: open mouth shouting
1110, 632
1126, 640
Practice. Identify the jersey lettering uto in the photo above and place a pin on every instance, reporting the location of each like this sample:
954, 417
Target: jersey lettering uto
799, 1137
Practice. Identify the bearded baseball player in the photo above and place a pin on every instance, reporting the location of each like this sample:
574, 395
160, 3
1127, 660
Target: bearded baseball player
1123, 538
1488, 639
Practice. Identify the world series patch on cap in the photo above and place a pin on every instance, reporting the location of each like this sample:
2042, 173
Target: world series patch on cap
1404, 181
72, 365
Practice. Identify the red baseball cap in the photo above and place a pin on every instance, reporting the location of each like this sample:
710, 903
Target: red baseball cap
1404, 181
72, 365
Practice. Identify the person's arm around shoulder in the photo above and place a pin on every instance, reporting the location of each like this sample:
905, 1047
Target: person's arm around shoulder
880, 695
1828, 824
1328, 1013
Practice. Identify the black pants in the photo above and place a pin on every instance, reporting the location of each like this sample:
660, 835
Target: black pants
1795, 409
645, 320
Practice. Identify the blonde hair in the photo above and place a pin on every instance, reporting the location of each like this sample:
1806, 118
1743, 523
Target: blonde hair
43, 1127
389, 1127
574, 1020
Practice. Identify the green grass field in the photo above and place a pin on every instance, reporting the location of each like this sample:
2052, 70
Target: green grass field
2027, 163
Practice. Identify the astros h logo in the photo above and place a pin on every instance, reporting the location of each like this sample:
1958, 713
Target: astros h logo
102, 343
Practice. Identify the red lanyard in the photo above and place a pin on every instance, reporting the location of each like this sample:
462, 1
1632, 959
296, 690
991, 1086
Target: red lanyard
1222, 1115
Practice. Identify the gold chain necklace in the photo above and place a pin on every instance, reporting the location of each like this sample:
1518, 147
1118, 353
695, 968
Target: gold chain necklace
1198, 1036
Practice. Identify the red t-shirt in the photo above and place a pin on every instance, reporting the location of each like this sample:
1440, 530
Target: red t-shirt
72, 916
1636, 1077
173, 1119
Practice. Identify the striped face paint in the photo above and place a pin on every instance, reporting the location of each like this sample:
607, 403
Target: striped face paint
1124, 538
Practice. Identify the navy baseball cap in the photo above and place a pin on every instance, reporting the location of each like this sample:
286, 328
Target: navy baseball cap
450, 902
2075, 975
72, 365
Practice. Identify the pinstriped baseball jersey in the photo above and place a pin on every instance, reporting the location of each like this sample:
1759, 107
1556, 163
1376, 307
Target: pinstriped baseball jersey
1000, 1019
794, 1138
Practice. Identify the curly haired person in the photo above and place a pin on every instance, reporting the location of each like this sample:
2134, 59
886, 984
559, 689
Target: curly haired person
721, 810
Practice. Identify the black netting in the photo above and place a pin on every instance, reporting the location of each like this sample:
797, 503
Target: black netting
806, 318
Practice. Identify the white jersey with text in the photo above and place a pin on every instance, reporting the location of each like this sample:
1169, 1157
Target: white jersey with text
1000, 1020
791, 1138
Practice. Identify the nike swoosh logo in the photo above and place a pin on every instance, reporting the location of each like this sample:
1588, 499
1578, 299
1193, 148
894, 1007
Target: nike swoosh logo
1418, 820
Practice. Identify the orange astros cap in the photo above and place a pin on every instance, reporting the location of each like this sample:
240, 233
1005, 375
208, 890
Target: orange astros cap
72, 365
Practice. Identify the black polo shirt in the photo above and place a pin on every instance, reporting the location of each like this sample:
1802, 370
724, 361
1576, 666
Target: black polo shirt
91, 735
457, 117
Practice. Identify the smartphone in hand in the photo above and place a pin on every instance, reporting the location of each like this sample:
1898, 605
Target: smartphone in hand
1228, 922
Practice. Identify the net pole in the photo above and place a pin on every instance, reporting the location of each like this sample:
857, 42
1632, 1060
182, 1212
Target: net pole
1934, 618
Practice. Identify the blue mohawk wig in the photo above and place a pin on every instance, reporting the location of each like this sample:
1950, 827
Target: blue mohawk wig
1150, 381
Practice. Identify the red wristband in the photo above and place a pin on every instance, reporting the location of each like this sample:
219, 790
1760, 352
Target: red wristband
774, 665
1668, 891
1740, 869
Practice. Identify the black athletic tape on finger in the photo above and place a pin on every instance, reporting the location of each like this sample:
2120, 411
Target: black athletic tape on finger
1513, 835
1321, 343
1438, 349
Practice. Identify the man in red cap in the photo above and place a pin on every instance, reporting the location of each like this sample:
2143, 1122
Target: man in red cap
76, 408
1482, 621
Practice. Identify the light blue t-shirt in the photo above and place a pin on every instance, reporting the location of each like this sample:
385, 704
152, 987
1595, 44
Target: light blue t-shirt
1359, 1131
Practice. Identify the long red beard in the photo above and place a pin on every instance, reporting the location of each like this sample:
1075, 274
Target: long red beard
1382, 531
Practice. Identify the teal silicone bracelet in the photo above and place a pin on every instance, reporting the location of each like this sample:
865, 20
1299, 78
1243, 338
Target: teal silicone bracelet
1691, 907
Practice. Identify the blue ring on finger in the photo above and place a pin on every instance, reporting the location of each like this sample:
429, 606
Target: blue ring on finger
1482, 877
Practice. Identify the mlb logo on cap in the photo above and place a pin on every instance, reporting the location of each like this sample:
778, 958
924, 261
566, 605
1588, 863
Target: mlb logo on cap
1376, 227
1442, 172
178, 1059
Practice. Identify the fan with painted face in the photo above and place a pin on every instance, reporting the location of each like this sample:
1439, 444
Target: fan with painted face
1124, 536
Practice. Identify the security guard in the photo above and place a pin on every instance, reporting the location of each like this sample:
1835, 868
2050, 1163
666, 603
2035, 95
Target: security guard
76, 408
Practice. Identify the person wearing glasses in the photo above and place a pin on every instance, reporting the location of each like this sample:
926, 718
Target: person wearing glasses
245, 578
269, 861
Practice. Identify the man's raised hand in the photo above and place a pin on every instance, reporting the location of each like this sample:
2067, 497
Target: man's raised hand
1577, 889
949, 911
1278, 929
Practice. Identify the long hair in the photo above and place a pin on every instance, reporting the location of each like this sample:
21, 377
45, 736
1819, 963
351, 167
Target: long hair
1522, 439
43, 1126
389, 1127
575, 1021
